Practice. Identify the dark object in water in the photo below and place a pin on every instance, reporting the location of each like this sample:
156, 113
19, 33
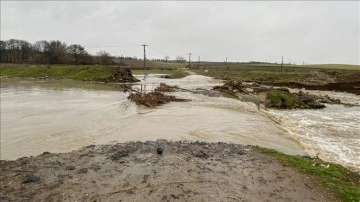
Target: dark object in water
159, 150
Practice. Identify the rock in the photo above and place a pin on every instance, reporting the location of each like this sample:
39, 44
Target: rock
202, 155
70, 168
119, 155
283, 89
31, 178
82, 171
166, 76
250, 90
95, 167
316, 105
44, 153
90, 146
159, 150
4, 199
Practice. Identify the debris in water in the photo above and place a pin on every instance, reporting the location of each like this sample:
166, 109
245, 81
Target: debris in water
166, 88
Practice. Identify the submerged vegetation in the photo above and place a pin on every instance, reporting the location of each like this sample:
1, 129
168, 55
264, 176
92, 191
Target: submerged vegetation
345, 184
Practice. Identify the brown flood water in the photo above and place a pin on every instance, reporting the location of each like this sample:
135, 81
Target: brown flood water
60, 116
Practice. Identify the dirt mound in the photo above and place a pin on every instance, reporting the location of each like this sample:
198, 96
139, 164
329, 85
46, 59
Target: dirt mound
153, 99
135, 172
157, 97
121, 74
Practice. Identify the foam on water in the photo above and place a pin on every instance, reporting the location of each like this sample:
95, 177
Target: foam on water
332, 133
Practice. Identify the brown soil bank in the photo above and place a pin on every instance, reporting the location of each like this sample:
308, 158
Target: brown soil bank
349, 87
135, 172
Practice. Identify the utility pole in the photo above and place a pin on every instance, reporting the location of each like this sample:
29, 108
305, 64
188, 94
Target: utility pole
189, 60
282, 61
144, 55
199, 62
226, 60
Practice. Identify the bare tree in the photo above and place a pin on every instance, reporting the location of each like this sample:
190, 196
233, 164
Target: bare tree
167, 58
77, 51
39, 51
26, 50
180, 59
56, 50
3, 51
104, 57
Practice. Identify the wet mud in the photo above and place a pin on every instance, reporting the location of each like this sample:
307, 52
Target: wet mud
135, 171
349, 87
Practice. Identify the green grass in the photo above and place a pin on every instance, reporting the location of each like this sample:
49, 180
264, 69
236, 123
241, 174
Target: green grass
168, 65
345, 184
84, 73
231, 71
278, 97
178, 74
272, 72
81, 72
333, 66
249, 75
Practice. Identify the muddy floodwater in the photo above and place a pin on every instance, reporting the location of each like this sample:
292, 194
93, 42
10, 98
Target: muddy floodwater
60, 116
63, 115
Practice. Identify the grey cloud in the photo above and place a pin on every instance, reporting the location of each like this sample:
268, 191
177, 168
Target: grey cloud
316, 32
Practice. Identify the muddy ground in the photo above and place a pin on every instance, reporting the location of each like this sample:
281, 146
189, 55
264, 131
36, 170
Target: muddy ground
135, 172
349, 87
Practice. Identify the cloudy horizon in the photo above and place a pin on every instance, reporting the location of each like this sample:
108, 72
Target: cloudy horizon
311, 32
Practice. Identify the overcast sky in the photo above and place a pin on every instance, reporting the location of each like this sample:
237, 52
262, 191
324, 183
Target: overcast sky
314, 32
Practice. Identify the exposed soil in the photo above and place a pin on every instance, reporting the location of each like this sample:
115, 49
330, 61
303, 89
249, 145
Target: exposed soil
121, 74
156, 98
280, 98
153, 99
135, 172
349, 87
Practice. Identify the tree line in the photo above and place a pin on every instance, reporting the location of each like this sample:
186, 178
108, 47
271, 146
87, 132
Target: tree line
49, 52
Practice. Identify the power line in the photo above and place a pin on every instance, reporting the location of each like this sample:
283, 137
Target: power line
114, 46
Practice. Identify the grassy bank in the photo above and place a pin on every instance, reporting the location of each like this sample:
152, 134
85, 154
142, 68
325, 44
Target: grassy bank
345, 184
84, 73
274, 73
80, 72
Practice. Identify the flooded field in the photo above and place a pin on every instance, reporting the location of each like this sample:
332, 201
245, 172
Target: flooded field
60, 116
55, 116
